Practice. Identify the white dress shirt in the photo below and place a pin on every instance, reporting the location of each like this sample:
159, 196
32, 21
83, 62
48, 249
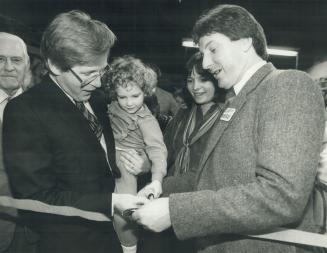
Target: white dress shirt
4, 98
247, 75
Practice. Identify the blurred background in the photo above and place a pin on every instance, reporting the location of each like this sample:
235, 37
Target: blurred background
154, 29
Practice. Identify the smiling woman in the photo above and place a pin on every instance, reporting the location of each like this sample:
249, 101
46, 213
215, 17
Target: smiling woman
185, 137
189, 129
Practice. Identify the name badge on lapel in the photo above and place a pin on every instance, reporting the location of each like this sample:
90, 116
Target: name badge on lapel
228, 114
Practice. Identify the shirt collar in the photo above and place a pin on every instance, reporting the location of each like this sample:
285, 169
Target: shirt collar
55, 81
86, 103
247, 75
4, 96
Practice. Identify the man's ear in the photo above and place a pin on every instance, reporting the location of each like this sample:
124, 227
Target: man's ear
246, 43
53, 68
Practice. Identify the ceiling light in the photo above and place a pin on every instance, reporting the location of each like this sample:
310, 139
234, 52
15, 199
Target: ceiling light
281, 52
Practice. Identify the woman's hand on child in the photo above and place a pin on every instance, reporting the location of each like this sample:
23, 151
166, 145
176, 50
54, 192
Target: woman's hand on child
134, 162
154, 189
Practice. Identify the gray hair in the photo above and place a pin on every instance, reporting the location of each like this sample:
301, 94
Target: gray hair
21, 42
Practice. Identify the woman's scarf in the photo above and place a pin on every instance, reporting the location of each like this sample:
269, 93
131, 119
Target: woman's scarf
182, 161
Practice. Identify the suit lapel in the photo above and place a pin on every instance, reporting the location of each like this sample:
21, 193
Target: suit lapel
235, 107
67, 111
99, 107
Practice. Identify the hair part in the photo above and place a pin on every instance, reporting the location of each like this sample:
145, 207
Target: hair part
129, 70
74, 38
233, 21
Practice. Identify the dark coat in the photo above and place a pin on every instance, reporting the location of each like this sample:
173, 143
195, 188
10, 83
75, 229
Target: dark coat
51, 155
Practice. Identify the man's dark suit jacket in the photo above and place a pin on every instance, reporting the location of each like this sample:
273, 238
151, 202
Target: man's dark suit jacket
51, 155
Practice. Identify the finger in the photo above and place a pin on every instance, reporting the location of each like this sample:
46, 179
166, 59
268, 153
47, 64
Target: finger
132, 152
141, 193
142, 201
129, 156
150, 196
130, 167
135, 216
124, 160
147, 192
131, 159
130, 170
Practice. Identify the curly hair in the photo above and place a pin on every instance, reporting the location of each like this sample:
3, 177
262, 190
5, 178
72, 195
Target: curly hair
129, 70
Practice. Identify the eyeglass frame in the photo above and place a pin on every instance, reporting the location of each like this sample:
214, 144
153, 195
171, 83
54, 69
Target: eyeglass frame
84, 83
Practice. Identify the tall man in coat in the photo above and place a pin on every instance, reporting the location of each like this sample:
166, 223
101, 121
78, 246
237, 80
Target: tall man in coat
258, 167
58, 142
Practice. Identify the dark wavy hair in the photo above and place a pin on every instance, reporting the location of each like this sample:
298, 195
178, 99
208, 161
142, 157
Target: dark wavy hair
127, 70
233, 21
73, 38
195, 64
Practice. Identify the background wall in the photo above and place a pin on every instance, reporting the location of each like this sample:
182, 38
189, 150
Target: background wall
153, 29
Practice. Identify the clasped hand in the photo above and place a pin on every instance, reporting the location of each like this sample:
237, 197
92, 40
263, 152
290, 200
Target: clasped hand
121, 202
154, 215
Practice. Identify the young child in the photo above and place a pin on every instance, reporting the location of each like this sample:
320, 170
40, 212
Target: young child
134, 128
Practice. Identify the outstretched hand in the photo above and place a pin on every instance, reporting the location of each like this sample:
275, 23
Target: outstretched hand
153, 189
154, 215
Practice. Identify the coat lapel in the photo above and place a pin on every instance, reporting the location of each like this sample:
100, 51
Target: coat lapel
234, 108
67, 111
99, 106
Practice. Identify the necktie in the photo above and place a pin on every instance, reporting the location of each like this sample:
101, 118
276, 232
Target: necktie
93, 121
183, 157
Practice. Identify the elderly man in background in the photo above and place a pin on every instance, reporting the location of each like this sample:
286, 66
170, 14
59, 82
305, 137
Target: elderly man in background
14, 70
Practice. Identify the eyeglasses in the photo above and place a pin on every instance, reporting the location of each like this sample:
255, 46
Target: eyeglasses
101, 73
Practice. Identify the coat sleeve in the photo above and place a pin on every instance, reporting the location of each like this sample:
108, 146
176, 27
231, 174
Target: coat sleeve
29, 160
154, 146
288, 141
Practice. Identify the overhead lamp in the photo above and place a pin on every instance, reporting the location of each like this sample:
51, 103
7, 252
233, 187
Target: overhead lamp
282, 52
188, 43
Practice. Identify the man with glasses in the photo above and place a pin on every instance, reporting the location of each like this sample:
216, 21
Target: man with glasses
59, 147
